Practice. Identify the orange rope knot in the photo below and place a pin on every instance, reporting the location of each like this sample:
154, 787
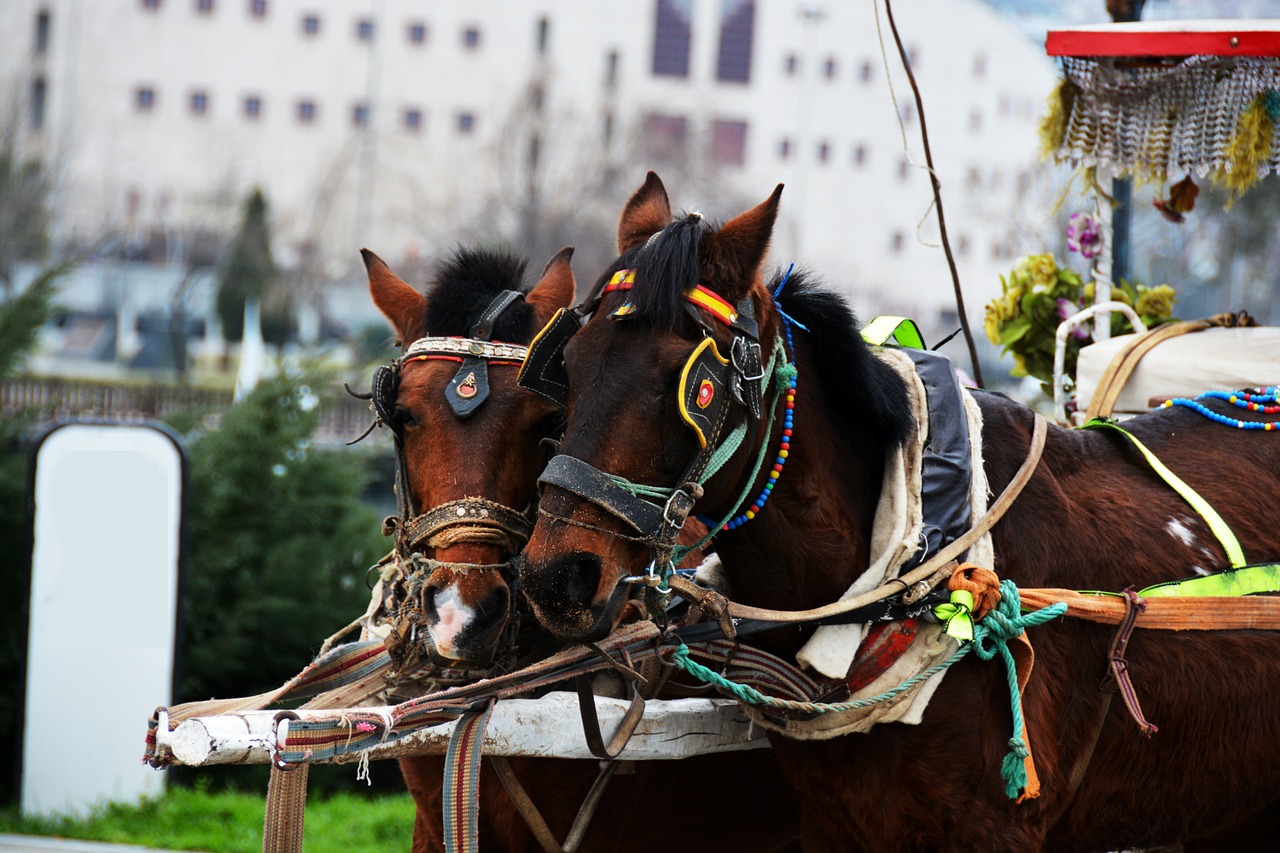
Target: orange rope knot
982, 584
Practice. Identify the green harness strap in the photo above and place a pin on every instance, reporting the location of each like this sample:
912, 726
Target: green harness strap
1219, 527
901, 330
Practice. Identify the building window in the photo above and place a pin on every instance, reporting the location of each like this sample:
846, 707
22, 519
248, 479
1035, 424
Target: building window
252, 107
980, 65
144, 99
417, 32
737, 29
466, 123
824, 152
790, 64
962, 246
904, 169
364, 29
42, 31
412, 119
151, 5
784, 149
39, 91
908, 113
306, 111
830, 67
543, 37
199, 102
204, 7
865, 71
672, 35
729, 142
975, 119
258, 8
860, 155
896, 241
666, 137
471, 38
607, 130
360, 115
311, 25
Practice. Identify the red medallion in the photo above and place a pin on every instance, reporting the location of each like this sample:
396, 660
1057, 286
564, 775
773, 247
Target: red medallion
706, 393
467, 387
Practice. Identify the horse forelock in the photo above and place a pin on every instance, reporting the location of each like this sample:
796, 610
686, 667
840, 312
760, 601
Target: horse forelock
466, 283
862, 392
666, 266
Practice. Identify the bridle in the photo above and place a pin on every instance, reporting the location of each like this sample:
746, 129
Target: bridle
469, 520
711, 386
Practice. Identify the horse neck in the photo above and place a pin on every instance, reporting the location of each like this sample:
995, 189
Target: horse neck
812, 539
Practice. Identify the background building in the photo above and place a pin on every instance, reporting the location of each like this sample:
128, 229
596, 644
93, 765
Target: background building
409, 127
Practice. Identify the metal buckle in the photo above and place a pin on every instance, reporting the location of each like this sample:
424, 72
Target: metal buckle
752, 350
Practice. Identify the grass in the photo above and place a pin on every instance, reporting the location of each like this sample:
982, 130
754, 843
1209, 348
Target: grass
231, 822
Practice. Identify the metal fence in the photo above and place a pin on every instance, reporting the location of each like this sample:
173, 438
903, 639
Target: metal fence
341, 418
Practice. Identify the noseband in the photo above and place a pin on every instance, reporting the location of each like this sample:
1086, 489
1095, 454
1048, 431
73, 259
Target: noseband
467, 521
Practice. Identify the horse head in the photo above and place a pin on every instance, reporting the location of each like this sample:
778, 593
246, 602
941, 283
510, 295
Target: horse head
672, 364
468, 441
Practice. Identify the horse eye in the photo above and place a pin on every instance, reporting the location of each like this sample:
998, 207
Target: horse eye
405, 417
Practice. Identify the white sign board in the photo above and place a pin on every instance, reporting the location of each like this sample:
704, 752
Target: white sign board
104, 582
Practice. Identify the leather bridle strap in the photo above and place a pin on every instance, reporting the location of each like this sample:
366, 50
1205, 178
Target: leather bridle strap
512, 526
590, 483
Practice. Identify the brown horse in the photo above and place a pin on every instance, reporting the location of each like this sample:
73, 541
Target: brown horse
1094, 516
491, 453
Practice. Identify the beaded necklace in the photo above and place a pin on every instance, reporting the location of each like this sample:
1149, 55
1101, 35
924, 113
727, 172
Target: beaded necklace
1264, 400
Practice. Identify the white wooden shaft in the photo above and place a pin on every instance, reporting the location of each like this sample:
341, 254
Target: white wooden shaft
548, 727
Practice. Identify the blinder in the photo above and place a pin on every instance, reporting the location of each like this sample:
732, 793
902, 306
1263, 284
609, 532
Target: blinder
704, 391
386, 383
543, 371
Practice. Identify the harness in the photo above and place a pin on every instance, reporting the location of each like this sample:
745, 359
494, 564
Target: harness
710, 386
468, 520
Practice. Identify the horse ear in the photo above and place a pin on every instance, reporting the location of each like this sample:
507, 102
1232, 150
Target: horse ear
398, 302
646, 213
555, 289
732, 255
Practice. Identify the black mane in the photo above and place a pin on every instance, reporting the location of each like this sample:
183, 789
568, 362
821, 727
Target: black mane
465, 285
862, 393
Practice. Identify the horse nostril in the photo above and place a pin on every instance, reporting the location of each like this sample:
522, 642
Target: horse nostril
497, 602
580, 578
429, 608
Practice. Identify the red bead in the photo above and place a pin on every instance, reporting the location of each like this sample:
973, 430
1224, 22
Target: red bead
786, 433
778, 468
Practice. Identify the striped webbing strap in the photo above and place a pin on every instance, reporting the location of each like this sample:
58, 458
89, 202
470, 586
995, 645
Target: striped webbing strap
342, 666
1216, 524
461, 795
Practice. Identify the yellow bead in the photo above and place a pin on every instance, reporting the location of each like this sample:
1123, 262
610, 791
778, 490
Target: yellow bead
751, 514
783, 453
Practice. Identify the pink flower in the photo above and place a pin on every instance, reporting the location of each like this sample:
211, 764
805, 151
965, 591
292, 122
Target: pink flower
1084, 235
366, 727
1065, 309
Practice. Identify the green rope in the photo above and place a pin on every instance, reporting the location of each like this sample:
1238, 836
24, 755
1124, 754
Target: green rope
991, 636
749, 695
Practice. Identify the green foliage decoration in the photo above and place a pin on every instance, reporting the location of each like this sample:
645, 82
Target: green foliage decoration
1038, 294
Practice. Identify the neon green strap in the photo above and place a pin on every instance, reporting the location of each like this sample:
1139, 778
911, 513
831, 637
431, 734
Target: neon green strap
901, 330
1219, 527
1245, 581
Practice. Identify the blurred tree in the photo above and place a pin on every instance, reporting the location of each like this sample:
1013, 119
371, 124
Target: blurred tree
277, 548
250, 273
24, 208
